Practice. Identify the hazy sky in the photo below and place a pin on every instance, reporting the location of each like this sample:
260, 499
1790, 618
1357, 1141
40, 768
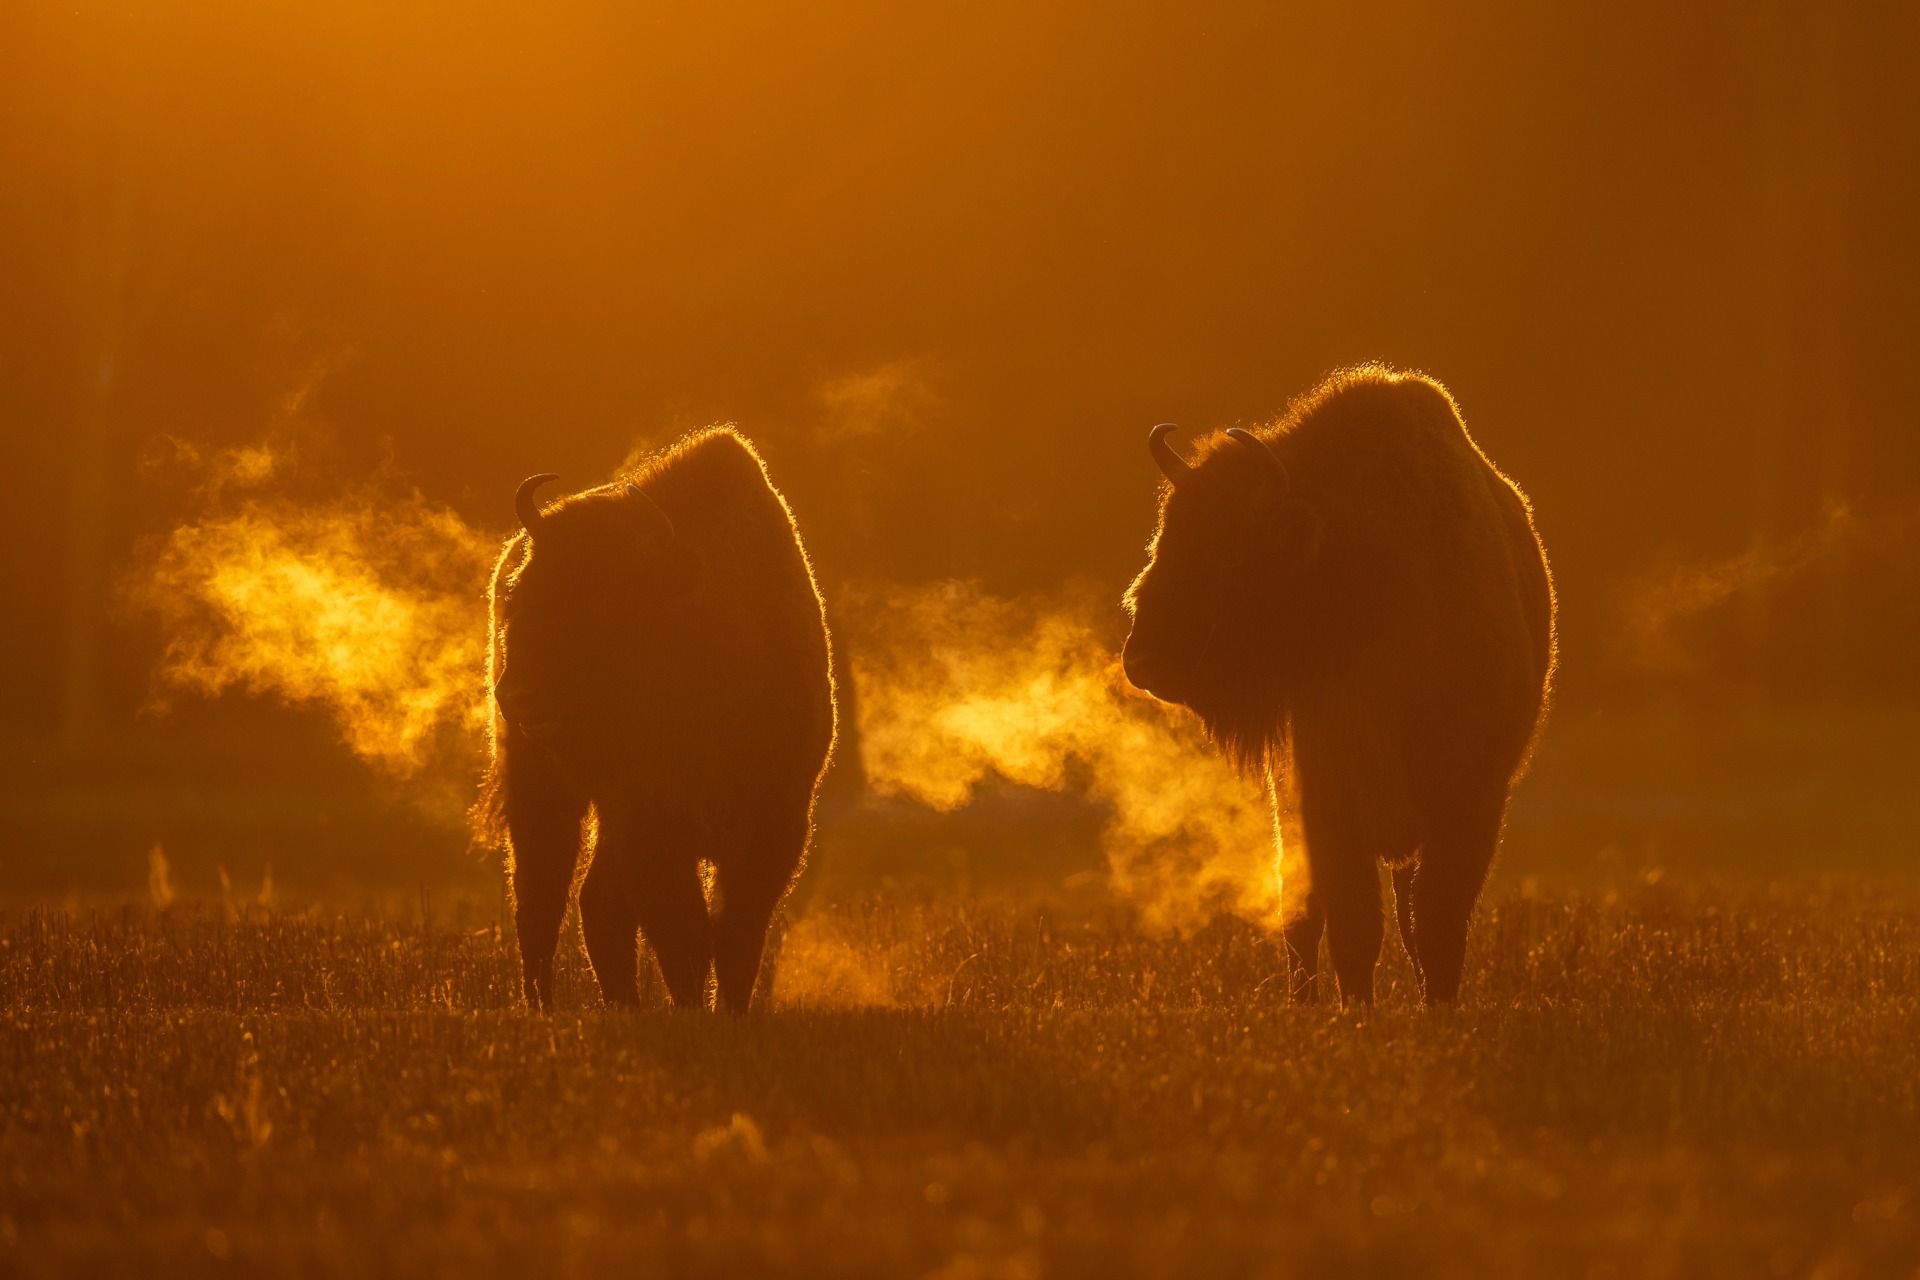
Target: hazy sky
948, 266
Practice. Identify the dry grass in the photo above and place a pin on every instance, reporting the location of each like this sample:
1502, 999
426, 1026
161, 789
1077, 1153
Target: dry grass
1679, 1083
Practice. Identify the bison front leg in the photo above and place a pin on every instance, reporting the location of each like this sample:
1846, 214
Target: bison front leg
543, 813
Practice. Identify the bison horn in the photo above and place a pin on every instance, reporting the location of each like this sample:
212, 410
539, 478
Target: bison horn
650, 511
1172, 465
523, 504
1268, 458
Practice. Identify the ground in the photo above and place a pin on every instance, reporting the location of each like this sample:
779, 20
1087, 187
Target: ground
1673, 1081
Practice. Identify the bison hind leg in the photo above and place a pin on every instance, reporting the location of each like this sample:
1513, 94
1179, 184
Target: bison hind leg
646, 872
1349, 889
673, 919
740, 940
1302, 935
610, 925
1403, 909
1447, 882
752, 885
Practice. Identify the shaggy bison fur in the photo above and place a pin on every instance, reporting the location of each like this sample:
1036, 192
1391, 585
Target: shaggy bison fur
1355, 602
661, 669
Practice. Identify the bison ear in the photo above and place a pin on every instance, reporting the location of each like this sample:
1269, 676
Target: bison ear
1275, 483
686, 565
654, 523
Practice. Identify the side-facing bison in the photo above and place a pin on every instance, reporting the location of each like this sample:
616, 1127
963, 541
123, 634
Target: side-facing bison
1354, 601
660, 660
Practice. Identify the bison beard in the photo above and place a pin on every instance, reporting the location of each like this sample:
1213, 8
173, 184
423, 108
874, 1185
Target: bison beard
660, 660
1355, 602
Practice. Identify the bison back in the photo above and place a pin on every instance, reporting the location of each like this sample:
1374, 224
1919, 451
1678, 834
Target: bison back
758, 662
1432, 599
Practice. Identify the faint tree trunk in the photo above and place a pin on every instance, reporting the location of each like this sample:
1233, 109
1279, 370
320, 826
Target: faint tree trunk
1837, 104
1805, 394
102, 254
109, 297
1775, 288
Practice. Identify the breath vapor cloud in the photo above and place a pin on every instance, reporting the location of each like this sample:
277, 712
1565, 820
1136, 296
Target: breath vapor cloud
957, 686
1657, 607
369, 607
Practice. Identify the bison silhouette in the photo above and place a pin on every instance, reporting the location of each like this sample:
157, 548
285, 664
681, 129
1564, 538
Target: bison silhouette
661, 668
1356, 604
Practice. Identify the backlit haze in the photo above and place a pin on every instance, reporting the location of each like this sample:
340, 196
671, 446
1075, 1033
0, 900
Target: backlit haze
297, 294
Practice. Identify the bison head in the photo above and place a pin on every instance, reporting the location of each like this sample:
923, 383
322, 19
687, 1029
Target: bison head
589, 618
1232, 536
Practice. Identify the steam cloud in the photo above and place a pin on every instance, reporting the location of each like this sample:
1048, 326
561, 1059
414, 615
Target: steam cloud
957, 686
1658, 605
369, 608
874, 400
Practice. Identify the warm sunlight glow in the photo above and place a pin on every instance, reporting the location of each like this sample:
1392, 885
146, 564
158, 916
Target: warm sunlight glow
571, 705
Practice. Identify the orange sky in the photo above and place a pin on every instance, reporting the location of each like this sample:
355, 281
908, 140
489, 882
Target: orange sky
947, 266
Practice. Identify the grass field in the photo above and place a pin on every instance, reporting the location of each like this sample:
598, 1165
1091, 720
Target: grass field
1677, 1082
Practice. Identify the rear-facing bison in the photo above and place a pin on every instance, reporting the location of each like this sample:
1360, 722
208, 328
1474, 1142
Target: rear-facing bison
1354, 601
660, 660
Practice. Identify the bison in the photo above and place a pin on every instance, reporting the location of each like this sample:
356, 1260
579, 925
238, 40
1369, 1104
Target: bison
662, 673
1356, 604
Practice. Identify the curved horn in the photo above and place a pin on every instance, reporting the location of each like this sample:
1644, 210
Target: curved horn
1269, 459
1172, 465
650, 510
523, 504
